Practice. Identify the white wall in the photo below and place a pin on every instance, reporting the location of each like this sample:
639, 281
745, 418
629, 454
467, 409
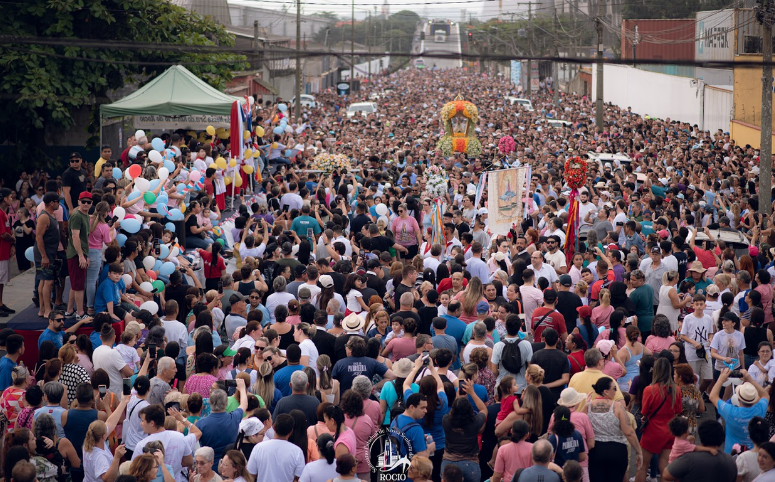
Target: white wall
649, 93
719, 105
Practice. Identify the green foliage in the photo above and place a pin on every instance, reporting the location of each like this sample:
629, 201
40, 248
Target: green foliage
400, 27
44, 85
524, 38
667, 9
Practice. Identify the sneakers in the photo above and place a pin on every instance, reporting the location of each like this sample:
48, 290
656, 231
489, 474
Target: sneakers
69, 314
5, 309
82, 317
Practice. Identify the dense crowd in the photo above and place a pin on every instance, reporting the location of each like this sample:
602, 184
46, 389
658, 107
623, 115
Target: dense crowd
319, 333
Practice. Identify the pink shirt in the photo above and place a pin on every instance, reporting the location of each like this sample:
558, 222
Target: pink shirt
201, 384
364, 428
349, 440
512, 457
656, 344
601, 316
99, 236
406, 231
371, 408
581, 421
401, 347
680, 446
613, 369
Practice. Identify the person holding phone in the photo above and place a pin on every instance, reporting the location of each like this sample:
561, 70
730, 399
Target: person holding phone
302, 224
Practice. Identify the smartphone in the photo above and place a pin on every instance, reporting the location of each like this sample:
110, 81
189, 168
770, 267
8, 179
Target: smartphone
220, 286
260, 224
175, 405
127, 386
286, 208
231, 387
103, 390
310, 232
152, 350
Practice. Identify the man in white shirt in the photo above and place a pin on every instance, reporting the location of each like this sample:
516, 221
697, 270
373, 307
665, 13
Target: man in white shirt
555, 257
178, 448
433, 261
292, 198
476, 266
585, 207
619, 221
695, 333
532, 297
449, 233
543, 270
312, 282
277, 460
173, 329
110, 360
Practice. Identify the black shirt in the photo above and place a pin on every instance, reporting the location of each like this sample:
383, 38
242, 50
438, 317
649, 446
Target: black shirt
401, 288
567, 302
306, 403
381, 243
426, 314
191, 222
325, 342
410, 314
375, 283
358, 222
680, 256
555, 364
339, 281
76, 181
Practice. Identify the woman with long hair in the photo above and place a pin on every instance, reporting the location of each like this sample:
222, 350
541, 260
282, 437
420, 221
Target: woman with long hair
631, 355
353, 296
764, 288
14, 441
214, 266
586, 328
407, 231
100, 234
362, 425
461, 431
601, 314
576, 346
328, 386
145, 467
84, 349
660, 403
61, 453
678, 351
99, 464
344, 437
469, 298
234, 467
299, 437
264, 386
205, 375
691, 399
196, 237
378, 323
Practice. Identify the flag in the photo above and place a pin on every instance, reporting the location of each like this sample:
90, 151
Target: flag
480, 189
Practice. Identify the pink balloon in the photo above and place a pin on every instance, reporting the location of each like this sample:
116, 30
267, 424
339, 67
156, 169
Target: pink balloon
194, 176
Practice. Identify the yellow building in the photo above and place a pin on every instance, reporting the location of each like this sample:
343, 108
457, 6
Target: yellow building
745, 127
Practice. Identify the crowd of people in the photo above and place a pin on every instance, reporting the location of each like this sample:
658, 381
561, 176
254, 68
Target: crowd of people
320, 339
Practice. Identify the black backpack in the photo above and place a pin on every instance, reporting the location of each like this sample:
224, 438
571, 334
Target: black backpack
398, 406
511, 356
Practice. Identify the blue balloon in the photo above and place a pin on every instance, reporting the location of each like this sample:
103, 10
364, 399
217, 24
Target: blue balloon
175, 215
167, 269
282, 107
164, 251
162, 209
169, 165
181, 187
170, 227
162, 198
133, 195
278, 130
117, 173
121, 239
216, 222
157, 144
154, 184
29, 253
131, 225
157, 265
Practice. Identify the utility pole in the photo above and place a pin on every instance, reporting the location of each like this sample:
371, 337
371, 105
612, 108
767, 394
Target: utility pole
369, 42
297, 112
765, 14
530, 62
599, 101
635, 42
556, 82
352, 48
255, 43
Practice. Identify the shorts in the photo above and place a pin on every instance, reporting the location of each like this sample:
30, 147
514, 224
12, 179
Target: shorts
119, 311
77, 275
46, 274
702, 369
5, 271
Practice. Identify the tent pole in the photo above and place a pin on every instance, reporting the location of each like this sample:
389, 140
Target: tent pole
100, 146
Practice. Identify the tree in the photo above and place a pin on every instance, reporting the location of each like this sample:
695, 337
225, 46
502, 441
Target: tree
44, 83
329, 15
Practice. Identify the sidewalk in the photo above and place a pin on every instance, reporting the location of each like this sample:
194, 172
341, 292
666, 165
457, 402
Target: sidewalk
17, 295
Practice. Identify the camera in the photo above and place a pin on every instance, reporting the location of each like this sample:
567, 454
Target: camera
735, 374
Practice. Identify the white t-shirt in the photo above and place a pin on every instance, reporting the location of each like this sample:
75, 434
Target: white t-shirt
314, 290
556, 260
318, 471
728, 344
747, 466
585, 209
175, 331
352, 301
176, 446
112, 362
309, 349
130, 356
276, 299
619, 221
276, 461
132, 431
699, 330
761, 377
95, 464
431, 263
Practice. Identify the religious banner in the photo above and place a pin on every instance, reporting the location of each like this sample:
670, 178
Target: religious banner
505, 199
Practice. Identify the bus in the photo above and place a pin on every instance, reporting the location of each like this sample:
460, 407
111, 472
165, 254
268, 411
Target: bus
440, 37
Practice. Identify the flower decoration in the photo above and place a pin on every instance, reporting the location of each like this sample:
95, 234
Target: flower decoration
459, 119
506, 145
330, 162
575, 172
435, 179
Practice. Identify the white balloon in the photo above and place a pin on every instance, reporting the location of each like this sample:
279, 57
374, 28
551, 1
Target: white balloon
213, 216
150, 306
381, 209
155, 157
146, 286
164, 173
174, 252
119, 212
384, 219
127, 280
126, 174
288, 130
251, 100
139, 133
149, 262
142, 184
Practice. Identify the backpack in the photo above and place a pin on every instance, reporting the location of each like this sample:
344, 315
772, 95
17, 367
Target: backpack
511, 357
396, 446
398, 406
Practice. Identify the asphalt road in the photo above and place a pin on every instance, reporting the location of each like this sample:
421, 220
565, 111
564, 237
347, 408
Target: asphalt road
450, 46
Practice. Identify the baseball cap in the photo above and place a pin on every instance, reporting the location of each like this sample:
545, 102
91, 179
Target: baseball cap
655, 249
712, 290
566, 280
612, 247
224, 350
300, 270
664, 234
236, 298
287, 248
304, 293
482, 307
550, 296
326, 281
84, 195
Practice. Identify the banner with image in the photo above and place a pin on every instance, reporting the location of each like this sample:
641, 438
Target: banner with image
505, 198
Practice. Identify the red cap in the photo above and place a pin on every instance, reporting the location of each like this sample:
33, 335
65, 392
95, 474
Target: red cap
612, 247
584, 311
84, 195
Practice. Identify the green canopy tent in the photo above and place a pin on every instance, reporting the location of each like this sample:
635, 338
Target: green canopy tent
176, 93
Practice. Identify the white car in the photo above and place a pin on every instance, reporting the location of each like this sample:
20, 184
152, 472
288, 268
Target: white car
525, 103
556, 123
362, 108
306, 101
609, 161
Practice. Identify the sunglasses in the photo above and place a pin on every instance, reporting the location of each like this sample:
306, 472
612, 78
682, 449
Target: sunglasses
59, 320
74, 160
85, 201
260, 347
72, 342
269, 358
254, 297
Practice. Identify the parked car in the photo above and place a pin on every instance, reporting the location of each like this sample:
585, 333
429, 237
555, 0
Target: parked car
306, 101
525, 103
733, 239
362, 108
608, 160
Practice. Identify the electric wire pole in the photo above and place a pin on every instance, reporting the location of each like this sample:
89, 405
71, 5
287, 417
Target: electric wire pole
765, 14
530, 62
599, 95
352, 48
297, 109
556, 81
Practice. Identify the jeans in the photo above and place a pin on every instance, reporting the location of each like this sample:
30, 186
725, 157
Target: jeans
193, 242
471, 471
92, 275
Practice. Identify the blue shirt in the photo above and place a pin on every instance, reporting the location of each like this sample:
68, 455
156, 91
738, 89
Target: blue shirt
160, 474
436, 430
415, 435
282, 378
302, 223
6, 367
567, 448
108, 292
736, 422
481, 392
456, 328
104, 276
470, 329
55, 337
218, 431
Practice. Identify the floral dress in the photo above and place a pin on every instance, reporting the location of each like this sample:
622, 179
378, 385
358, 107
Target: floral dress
690, 401
11, 404
487, 380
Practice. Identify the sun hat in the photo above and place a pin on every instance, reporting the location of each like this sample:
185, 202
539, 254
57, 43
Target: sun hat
747, 393
403, 367
697, 267
353, 322
605, 346
570, 397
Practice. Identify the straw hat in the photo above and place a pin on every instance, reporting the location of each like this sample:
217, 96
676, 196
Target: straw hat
570, 397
